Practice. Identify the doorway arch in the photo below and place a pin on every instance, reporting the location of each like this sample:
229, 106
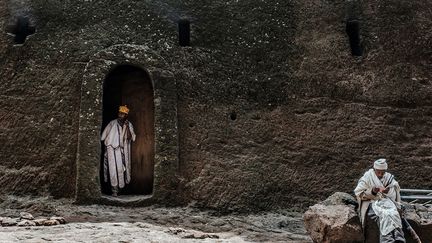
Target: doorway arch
130, 85
90, 120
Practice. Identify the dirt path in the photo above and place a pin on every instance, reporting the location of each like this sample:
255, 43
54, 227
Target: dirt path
100, 223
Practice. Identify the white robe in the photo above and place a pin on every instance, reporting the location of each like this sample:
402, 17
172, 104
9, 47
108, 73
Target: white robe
117, 157
384, 206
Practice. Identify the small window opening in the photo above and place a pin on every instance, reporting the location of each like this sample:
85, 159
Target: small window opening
184, 32
21, 29
353, 31
233, 116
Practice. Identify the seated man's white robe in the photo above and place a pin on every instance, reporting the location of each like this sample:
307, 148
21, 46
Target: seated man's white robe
384, 206
117, 157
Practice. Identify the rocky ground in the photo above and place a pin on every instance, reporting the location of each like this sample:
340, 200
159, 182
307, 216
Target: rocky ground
99, 223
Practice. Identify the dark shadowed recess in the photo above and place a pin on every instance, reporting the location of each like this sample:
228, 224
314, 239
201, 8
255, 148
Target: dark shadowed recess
131, 86
21, 29
353, 31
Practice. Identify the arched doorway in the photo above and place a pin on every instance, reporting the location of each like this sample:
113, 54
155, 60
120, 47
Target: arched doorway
131, 86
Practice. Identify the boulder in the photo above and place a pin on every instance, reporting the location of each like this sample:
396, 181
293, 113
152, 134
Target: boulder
333, 224
25, 215
39, 222
9, 221
50, 222
25, 223
420, 218
61, 220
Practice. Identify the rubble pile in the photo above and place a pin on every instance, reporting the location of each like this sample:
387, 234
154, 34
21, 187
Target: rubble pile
26, 220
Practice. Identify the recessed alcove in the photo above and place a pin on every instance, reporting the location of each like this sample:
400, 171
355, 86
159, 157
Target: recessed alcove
137, 76
130, 85
233, 115
21, 29
184, 32
353, 32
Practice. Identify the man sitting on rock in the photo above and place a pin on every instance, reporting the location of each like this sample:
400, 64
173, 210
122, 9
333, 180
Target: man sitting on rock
378, 195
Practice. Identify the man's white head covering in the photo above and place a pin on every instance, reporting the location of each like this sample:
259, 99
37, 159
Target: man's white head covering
380, 164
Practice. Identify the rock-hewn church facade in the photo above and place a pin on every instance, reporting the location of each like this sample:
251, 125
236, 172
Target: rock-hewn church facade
271, 104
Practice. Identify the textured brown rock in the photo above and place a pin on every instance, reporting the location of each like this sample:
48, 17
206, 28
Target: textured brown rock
199, 236
6, 221
39, 222
340, 198
333, 223
25, 215
191, 234
24, 223
420, 218
50, 222
61, 220
267, 88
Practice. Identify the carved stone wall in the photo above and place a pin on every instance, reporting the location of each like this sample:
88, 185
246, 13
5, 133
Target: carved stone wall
272, 108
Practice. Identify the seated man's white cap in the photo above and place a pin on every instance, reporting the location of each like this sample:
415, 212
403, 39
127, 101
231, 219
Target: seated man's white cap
380, 164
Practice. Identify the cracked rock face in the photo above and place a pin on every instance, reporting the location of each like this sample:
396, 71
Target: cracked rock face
333, 223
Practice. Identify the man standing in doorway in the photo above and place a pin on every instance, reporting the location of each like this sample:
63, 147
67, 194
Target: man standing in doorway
378, 194
118, 135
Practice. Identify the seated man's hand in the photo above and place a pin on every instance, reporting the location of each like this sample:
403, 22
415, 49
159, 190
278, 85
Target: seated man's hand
375, 190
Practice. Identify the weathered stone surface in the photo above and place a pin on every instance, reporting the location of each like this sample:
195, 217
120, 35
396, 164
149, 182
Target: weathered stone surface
39, 222
421, 208
333, 223
61, 220
25, 215
191, 234
199, 236
106, 232
24, 223
420, 219
9, 221
340, 198
267, 88
281, 226
50, 222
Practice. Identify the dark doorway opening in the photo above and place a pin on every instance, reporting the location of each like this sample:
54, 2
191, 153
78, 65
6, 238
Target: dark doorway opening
184, 32
353, 31
131, 86
21, 29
